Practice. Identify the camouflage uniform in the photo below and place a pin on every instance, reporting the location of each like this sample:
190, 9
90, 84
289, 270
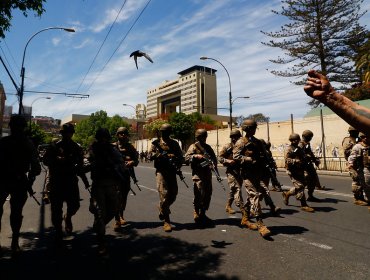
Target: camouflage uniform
294, 164
271, 170
106, 174
131, 159
18, 156
347, 144
359, 165
234, 178
65, 162
167, 156
311, 177
249, 153
201, 175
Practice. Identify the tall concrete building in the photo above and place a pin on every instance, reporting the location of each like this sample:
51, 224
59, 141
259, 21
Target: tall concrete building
195, 90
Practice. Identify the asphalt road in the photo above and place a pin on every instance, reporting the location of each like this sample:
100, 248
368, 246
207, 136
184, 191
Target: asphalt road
332, 243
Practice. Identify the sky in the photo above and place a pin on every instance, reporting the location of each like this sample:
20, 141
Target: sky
95, 61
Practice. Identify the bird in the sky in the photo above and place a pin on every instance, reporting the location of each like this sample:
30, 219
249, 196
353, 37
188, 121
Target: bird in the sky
137, 54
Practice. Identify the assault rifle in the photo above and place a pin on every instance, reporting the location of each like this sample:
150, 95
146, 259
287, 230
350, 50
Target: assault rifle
207, 161
119, 172
131, 170
170, 161
30, 180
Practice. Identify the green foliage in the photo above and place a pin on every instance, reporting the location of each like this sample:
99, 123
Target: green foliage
152, 127
85, 130
320, 35
25, 6
38, 135
182, 125
359, 92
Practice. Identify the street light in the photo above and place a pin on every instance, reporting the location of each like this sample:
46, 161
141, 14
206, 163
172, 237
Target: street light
21, 90
38, 98
136, 116
230, 96
244, 97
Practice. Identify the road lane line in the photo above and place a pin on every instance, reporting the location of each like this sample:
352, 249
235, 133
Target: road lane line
303, 240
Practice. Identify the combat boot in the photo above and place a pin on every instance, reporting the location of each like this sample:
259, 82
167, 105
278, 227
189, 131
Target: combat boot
229, 210
205, 219
122, 221
246, 222
68, 227
117, 225
167, 225
360, 202
305, 207
196, 216
263, 230
45, 198
286, 196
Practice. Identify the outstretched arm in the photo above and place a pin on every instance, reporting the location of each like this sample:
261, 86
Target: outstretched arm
318, 87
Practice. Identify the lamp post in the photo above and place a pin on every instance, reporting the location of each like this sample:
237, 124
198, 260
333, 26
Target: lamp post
136, 116
38, 98
21, 89
230, 95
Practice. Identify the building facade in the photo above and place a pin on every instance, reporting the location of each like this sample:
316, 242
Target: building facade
195, 90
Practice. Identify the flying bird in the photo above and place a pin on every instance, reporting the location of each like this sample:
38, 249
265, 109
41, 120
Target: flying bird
137, 54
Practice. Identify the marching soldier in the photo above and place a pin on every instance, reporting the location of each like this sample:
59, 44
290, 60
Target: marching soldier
271, 165
347, 144
294, 164
19, 165
168, 158
234, 178
311, 177
249, 152
106, 174
65, 162
359, 166
130, 159
202, 159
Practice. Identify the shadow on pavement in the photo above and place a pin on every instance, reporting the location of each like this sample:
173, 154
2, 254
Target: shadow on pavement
287, 230
130, 257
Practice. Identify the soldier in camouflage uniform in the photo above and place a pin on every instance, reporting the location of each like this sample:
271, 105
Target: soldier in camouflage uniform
249, 152
359, 166
347, 144
168, 158
106, 174
65, 162
19, 165
201, 156
131, 159
294, 164
276, 185
234, 178
311, 177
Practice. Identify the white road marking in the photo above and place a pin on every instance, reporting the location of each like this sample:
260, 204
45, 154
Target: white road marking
301, 239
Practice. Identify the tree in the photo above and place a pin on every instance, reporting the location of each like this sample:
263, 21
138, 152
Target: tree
260, 118
85, 130
182, 127
38, 135
317, 37
7, 7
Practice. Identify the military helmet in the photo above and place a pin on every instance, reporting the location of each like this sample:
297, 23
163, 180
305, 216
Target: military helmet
294, 136
165, 127
307, 134
122, 130
351, 128
235, 133
249, 124
200, 133
102, 133
17, 121
67, 127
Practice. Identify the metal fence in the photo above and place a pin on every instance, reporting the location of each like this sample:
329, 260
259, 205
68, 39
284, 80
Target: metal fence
330, 163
